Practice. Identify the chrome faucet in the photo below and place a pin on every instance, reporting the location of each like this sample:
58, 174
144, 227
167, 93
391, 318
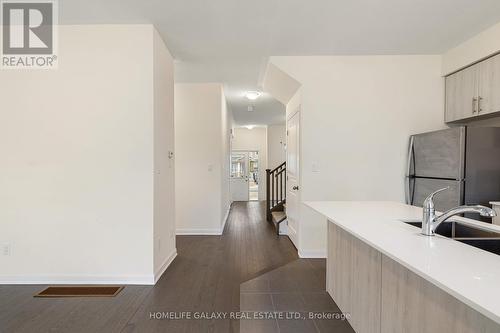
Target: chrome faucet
430, 221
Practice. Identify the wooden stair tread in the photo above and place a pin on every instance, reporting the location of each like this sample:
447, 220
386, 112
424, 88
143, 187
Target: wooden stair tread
278, 216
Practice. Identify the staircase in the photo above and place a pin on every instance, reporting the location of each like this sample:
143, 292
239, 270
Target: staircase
276, 195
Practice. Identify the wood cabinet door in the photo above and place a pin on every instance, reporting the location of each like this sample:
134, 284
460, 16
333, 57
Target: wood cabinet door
366, 291
412, 304
461, 94
339, 267
354, 272
489, 85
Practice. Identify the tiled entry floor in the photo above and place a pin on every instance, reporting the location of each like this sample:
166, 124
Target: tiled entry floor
297, 288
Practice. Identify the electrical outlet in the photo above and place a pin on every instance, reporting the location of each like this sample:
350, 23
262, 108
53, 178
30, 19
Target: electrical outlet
6, 249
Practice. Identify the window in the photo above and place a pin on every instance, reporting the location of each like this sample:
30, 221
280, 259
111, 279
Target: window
238, 165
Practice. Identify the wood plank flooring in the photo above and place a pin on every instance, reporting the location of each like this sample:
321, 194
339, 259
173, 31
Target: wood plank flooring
205, 277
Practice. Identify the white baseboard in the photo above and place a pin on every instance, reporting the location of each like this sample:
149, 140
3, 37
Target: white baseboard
159, 272
88, 279
283, 228
198, 232
77, 279
225, 220
292, 234
312, 253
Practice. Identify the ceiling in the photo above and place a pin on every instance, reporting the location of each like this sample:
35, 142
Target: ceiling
229, 41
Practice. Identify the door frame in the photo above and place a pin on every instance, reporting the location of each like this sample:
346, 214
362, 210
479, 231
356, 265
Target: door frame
295, 237
247, 171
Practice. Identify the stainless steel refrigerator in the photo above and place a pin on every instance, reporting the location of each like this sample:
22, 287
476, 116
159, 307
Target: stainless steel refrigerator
466, 159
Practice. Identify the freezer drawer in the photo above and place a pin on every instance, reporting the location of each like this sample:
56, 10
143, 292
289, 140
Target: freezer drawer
420, 188
438, 154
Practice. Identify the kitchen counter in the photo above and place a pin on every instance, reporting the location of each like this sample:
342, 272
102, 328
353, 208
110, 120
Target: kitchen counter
469, 274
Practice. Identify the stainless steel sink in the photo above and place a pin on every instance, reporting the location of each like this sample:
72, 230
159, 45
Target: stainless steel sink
480, 238
459, 230
491, 245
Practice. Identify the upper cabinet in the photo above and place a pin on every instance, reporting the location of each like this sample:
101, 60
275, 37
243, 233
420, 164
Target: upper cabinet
473, 91
461, 94
489, 85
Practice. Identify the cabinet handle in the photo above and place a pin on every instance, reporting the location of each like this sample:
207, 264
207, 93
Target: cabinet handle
474, 100
479, 109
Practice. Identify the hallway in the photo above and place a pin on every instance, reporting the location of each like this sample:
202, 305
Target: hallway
208, 275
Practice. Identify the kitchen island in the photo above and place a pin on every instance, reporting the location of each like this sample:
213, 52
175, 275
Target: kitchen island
390, 278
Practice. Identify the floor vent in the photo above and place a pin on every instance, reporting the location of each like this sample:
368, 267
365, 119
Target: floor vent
80, 291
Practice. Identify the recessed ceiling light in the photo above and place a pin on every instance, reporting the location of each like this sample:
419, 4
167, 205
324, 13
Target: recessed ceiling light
252, 95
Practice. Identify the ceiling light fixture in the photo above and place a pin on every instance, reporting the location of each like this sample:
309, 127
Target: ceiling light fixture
253, 95
250, 127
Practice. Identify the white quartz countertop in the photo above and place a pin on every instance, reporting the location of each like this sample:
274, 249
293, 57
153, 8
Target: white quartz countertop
469, 274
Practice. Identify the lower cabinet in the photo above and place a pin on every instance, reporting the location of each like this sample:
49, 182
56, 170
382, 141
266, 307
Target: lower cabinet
412, 304
354, 272
383, 296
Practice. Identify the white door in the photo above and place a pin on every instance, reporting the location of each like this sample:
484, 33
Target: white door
293, 176
253, 175
239, 176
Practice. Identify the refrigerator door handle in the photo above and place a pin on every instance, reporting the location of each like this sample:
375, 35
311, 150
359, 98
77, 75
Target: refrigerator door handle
408, 198
407, 190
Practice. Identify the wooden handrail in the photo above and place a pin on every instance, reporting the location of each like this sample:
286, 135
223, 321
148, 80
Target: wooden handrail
275, 189
280, 172
282, 165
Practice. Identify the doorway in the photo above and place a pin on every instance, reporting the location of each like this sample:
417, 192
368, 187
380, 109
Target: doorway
245, 180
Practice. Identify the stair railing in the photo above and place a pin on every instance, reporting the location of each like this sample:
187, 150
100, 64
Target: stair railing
275, 189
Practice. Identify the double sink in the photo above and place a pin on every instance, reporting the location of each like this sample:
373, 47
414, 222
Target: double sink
480, 238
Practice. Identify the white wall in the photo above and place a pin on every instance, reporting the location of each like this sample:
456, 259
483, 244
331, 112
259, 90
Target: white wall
357, 114
201, 122
254, 140
226, 127
77, 187
164, 175
279, 84
276, 143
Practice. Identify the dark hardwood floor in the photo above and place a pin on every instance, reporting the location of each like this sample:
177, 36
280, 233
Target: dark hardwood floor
206, 277
208, 271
